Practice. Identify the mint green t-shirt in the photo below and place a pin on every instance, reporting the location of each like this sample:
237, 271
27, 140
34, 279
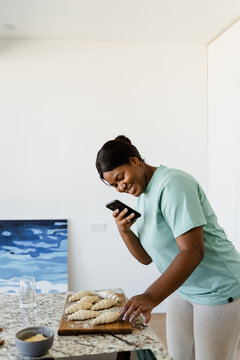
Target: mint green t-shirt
172, 204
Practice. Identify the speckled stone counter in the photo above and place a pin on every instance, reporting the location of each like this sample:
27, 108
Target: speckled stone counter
49, 312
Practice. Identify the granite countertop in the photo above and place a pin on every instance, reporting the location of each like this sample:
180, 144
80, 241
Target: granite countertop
48, 312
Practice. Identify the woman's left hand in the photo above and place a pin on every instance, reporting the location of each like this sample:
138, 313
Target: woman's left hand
139, 304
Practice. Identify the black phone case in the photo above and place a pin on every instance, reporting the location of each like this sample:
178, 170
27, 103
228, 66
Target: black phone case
116, 204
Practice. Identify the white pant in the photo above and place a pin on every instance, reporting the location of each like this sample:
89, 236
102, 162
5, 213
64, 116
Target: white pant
202, 332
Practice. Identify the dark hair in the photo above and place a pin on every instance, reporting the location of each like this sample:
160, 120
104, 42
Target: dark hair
115, 153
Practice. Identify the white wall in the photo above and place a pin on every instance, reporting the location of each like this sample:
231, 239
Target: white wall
59, 102
224, 130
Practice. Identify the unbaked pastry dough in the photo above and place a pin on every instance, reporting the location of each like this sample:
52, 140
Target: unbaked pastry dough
106, 318
84, 305
91, 298
83, 315
104, 304
79, 295
108, 294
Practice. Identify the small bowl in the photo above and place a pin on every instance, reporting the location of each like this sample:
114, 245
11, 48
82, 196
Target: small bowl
35, 348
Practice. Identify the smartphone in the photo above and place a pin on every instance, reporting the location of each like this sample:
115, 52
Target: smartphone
116, 204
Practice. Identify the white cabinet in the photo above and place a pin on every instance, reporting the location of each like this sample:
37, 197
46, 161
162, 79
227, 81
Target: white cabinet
224, 130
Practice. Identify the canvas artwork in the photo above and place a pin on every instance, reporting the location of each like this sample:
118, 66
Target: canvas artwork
34, 248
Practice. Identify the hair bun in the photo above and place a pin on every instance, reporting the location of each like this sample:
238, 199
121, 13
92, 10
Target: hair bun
123, 138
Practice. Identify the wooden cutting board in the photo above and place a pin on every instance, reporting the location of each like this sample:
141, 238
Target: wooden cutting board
75, 327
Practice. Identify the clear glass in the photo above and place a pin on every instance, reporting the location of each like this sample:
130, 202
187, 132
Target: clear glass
27, 292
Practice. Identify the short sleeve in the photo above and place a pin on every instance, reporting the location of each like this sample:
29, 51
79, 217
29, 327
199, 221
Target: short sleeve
180, 205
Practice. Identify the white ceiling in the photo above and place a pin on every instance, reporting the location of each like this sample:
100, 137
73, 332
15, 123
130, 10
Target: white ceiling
165, 21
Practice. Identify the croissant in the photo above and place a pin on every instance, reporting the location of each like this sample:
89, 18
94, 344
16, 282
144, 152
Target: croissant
79, 295
106, 318
104, 304
78, 306
91, 298
83, 315
107, 294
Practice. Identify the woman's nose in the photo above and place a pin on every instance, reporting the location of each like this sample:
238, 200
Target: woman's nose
122, 186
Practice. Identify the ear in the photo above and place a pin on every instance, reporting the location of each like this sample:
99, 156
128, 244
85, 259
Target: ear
133, 160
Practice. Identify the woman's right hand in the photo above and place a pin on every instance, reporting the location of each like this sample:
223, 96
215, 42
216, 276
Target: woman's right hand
123, 223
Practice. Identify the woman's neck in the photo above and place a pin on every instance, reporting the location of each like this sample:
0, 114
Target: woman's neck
149, 171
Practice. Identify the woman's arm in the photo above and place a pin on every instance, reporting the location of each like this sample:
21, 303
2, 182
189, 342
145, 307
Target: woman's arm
131, 240
191, 247
134, 246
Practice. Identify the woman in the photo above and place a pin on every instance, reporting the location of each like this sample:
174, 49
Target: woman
179, 232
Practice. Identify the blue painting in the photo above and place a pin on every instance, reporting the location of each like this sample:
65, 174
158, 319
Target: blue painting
35, 248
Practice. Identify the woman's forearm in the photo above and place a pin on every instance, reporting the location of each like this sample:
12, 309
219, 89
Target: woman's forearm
174, 276
191, 253
134, 246
132, 242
